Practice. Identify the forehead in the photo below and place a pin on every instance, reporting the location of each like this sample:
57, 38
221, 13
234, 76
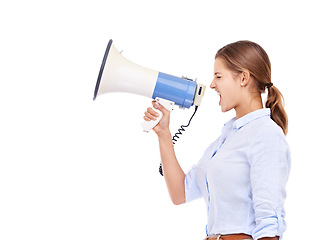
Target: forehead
219, 66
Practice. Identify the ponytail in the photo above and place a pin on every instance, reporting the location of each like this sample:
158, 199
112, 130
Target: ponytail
275, 102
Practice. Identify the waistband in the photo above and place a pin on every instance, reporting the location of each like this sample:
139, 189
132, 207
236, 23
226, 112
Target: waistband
230, 237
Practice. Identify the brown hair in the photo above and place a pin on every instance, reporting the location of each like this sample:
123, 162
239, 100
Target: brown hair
248, 55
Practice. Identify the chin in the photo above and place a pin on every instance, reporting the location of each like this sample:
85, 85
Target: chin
225, 109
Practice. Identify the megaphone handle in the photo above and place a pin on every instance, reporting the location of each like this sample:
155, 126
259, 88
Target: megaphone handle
148, 125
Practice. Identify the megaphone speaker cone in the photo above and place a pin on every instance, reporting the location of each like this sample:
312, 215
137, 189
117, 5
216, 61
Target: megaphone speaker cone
118, 74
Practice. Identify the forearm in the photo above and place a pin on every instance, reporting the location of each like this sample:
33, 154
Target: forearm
173, 173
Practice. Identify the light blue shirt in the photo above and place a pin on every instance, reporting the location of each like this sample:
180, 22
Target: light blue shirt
242, 178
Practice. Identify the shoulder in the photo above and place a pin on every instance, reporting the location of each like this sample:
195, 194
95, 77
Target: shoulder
263, 130
268, 142
268, 132
267, 136
262, 127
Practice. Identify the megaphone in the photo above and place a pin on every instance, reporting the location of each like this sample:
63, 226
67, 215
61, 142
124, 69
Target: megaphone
118, 74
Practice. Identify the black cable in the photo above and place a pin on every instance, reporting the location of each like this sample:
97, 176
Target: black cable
178, 134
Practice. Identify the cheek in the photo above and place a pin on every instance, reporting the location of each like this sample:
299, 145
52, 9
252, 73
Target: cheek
234, 94
229, 89
230, 95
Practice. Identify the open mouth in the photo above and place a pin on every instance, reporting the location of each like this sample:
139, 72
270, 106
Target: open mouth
220, 98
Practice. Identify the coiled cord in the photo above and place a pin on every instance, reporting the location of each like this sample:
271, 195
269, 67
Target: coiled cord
178, 134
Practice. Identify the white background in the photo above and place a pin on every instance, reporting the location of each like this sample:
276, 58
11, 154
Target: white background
74, 168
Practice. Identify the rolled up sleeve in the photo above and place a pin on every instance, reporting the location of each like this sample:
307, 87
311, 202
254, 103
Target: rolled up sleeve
192, 190
269, 160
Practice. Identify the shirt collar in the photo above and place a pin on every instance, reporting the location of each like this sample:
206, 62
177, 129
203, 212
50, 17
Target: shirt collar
242, 121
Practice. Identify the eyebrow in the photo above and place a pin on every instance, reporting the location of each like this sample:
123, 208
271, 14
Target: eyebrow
216, 73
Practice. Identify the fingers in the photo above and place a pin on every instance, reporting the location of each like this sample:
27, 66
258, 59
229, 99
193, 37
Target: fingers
150, 114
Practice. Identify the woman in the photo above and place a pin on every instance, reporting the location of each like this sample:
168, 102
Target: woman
243, 174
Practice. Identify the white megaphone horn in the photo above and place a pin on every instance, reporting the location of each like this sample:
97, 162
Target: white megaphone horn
118, 74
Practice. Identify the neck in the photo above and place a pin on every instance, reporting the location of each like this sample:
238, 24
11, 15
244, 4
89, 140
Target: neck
248, 107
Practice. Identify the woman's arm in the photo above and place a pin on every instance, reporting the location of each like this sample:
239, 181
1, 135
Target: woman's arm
173, 173
269, 160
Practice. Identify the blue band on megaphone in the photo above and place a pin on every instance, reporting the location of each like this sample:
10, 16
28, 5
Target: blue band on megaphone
178, 90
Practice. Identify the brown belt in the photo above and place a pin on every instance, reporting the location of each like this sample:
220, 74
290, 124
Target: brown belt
230, 237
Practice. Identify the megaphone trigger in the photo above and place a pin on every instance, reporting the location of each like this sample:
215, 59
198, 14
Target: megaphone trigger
148, 125
165, 103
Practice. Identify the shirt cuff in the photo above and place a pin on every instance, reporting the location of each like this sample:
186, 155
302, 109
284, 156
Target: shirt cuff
270, 226
192, 190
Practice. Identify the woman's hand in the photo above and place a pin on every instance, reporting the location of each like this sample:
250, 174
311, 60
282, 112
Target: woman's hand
163, 124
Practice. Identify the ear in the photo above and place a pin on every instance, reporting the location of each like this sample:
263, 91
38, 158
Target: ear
245, 78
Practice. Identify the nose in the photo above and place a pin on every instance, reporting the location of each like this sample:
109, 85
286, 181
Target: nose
212, 85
